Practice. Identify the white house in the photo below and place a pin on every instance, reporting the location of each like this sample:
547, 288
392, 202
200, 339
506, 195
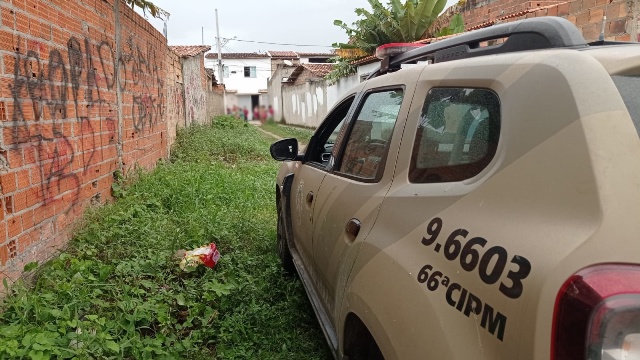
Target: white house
245, 78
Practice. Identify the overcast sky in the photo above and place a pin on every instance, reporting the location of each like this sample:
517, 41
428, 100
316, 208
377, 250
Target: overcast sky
301, 22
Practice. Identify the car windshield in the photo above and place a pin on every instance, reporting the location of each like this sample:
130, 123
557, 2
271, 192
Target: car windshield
629, 87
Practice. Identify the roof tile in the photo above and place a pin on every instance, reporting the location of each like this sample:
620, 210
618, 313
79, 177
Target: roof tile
319, 70
237, 56
189, 50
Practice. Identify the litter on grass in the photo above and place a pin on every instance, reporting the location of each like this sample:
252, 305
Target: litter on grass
206, 255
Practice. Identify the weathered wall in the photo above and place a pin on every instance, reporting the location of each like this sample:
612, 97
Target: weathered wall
195, 89
306, 104
85, 88
175, 96
215, 104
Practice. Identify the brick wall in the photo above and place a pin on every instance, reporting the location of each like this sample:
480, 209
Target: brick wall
622, 16
84, 91
175, 96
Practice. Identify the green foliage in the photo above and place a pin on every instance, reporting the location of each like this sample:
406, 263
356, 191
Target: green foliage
342, 67
398, 22
456, 26
149, 6
117, 290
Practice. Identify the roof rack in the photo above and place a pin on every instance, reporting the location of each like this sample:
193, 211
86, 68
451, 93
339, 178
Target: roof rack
529, 34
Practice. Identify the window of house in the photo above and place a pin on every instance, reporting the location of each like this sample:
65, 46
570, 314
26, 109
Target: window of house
249, 71
225, 71
457, 136
368, 142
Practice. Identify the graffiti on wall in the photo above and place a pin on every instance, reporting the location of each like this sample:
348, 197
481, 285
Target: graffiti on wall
65, 108
140, 75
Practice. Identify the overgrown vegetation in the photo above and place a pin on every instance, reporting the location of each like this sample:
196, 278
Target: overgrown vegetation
117, 291
145, 5
286, 131
397, 22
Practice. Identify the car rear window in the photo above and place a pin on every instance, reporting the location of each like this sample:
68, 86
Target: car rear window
629, 87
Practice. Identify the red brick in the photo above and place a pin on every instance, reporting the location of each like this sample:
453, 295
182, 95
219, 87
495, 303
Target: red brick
617, 26
19, 201
27, 220
582, 19
596, 16
14, 227
24, 178
575, 7
8, 182
613, 11
4, 254
8, 19
625, 37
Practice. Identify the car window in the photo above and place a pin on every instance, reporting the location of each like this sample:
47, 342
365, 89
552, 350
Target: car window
457, 136
321, 146
368, 141
629, 87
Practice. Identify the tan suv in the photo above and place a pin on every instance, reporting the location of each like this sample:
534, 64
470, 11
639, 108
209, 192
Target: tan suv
482, 203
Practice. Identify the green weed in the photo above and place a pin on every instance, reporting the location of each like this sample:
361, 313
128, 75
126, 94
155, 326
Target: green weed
302, 134
117, 291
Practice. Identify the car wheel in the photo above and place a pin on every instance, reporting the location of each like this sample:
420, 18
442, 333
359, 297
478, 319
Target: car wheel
283, 247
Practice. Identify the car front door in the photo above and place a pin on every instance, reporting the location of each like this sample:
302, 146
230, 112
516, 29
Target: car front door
349, 197
308, 178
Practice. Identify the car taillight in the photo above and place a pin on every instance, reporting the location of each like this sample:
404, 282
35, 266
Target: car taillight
597, 315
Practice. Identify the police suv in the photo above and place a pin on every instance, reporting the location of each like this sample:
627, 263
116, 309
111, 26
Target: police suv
475, 198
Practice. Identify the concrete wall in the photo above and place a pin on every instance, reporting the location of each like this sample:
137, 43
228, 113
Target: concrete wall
215, 104
195, 90
306, 104
87, 88
337, 90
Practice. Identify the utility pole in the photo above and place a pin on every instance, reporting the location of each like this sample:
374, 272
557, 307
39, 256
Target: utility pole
220, 68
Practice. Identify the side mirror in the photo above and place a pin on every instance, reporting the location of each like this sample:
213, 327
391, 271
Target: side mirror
285, 149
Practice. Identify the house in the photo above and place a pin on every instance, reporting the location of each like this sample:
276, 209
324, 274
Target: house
245, 77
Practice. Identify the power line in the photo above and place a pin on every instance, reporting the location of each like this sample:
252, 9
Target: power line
273, 43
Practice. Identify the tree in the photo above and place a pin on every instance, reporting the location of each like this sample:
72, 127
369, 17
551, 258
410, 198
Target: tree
397, 22
146, 5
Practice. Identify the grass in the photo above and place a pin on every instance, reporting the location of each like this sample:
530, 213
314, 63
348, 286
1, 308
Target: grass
302, 134
117, 291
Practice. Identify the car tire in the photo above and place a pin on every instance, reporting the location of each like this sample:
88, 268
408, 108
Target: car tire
286, 260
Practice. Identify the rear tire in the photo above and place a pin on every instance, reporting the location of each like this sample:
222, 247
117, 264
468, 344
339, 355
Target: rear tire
286, 260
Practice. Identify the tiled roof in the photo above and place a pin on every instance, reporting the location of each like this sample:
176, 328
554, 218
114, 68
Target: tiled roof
319, 70
237, 56
303, 54
283, 54
189, 51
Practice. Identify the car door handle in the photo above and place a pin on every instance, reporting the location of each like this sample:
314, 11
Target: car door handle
310, 197
353, 227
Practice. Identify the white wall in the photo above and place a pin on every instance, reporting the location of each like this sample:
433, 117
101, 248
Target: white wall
237, 81
305, 104
335, 91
